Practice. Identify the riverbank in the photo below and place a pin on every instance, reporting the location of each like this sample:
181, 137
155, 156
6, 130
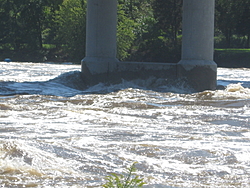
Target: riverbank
232, 57
229, 58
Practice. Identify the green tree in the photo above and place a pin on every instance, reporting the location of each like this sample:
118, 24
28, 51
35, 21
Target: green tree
11, 26
131, 24
243, 20
31, 18
226, 18
159, 38
49, 31
168, 14
23, 23
125, 34
71, 22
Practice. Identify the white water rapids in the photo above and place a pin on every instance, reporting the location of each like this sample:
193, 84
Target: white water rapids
54, 134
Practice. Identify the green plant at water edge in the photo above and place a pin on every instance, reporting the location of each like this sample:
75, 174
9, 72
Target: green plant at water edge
129, 180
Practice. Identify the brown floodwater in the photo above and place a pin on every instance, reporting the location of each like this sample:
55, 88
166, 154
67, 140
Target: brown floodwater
53, 134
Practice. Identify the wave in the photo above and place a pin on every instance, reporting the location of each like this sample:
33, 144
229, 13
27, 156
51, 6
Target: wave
72, 83
25, 164
231, 92
67, 84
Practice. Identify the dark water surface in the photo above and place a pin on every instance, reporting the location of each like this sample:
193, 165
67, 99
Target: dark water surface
55, 134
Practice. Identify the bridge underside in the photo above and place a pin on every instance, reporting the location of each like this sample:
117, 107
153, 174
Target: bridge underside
196, 65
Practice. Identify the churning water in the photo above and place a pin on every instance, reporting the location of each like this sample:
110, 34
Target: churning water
55, 133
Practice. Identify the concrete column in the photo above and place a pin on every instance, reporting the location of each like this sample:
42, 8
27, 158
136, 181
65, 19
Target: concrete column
100, 39
197, 64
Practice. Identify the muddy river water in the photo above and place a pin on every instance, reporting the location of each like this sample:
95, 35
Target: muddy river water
54, 134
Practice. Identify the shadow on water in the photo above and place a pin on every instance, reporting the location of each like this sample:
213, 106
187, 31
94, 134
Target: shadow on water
245, 84
67, 84
72, 83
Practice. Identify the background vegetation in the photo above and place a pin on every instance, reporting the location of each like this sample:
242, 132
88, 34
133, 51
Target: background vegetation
148, 30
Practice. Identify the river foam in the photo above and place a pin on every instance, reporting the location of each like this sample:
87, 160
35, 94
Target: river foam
54, 132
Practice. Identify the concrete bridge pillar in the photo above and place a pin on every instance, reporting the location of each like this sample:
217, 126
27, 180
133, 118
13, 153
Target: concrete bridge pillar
197, 64
101, 31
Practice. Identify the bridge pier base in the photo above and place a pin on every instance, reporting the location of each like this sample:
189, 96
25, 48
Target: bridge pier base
101, 30
197, 64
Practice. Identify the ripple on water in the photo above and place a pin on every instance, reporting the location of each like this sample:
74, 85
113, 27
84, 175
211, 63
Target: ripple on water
68, 137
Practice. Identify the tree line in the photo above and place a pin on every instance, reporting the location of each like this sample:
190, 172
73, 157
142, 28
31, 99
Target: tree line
148, 30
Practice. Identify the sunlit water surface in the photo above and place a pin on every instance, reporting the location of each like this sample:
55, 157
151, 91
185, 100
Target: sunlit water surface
54, 134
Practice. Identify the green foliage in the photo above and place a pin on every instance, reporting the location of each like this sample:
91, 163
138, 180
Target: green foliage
158, 33
71, 23
148, 30
232, 57
23, 23
168, 14
125, 34
133, 20
129, 180
234, 50
232, 18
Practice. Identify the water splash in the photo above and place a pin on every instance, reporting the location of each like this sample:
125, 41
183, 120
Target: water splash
29, 165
